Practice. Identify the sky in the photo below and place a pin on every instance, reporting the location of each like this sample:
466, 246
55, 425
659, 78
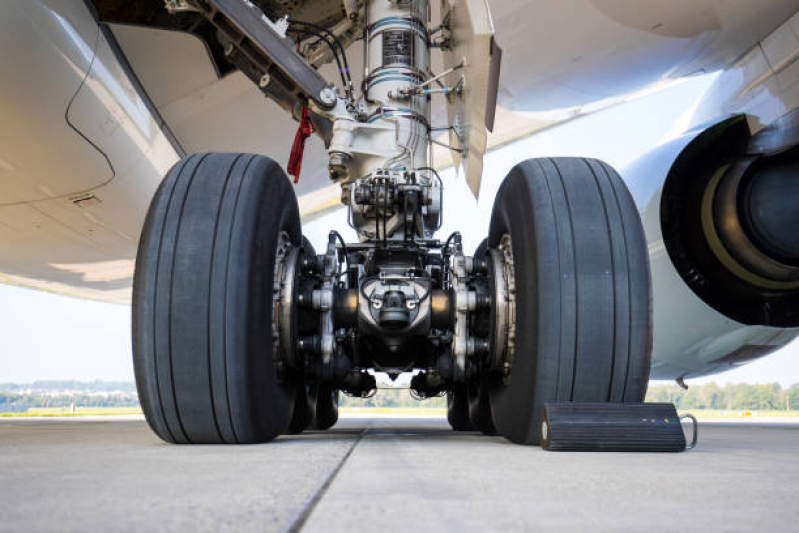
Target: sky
48, 336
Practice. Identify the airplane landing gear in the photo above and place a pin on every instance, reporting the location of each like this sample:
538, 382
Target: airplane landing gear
243, 332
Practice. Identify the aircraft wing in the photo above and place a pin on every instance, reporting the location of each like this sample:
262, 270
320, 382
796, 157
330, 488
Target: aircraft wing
560, 60
136, 96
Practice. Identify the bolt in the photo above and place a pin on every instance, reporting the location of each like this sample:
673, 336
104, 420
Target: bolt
337, 165
328, 96
228, 49
338, 161
264, 81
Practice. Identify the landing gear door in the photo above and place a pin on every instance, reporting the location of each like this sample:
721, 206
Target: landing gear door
472, 86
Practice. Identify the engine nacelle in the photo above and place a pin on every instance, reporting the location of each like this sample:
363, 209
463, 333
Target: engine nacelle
721, 228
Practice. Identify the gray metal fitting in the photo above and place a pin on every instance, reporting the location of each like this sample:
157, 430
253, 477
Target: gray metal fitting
328, 96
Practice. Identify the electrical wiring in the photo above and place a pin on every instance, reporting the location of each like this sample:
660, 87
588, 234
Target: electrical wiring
440, 195
348, 85
332, 48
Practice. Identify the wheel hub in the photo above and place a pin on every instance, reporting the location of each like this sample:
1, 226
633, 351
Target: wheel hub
503, 331
284, 325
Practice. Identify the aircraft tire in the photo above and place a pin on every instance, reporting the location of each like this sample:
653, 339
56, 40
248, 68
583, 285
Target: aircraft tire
480, 408
583, 319
326, 414
458, 408
481, 249
302, 418
202, 313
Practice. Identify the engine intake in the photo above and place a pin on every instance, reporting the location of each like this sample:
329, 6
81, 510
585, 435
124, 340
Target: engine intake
729, 216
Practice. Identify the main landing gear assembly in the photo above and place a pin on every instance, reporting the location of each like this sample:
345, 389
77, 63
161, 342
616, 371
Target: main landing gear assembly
243, 332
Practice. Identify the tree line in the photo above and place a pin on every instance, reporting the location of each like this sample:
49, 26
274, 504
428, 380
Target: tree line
70, 385
734, 397
14, 402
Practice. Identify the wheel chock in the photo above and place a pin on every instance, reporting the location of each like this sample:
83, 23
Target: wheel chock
614, 427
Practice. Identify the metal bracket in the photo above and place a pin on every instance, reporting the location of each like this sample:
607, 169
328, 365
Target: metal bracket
262, 53
178, 6
695, 436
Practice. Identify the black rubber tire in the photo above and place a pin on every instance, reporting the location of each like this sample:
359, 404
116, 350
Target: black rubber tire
302, 417
326, 414
480, 408
458, 408
308, 247
202, 313
481, 249
583, 291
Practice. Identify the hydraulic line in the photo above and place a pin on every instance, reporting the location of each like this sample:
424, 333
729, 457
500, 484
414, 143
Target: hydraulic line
346, 85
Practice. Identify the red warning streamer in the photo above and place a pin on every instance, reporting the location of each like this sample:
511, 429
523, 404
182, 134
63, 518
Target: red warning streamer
305, 130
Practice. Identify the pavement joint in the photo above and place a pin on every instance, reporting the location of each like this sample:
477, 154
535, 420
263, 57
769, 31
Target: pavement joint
309, 507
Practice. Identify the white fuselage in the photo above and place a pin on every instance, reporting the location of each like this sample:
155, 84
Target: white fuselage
92, 116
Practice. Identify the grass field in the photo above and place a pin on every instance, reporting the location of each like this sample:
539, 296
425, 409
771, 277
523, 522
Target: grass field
79, 411
99, 411
377, 411
712, 413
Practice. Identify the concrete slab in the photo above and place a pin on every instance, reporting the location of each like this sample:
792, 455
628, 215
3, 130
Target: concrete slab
739, 478
388, 474
70, 475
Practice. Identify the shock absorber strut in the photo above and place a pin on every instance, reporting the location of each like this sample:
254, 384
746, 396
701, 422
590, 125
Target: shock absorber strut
379, 152
398, 63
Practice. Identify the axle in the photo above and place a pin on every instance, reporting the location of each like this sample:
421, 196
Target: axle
394, 308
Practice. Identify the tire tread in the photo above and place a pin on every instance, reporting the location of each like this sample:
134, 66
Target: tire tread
194, 321
582, 267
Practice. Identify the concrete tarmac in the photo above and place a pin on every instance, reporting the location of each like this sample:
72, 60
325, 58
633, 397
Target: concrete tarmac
389, 475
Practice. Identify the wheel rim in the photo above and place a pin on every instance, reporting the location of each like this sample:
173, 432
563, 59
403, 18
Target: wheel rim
284, 325
503, 319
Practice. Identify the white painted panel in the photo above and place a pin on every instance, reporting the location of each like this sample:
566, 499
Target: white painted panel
87, 251
780, 47
574, 52
44, 57
111, 114
169, 64
84, 249
232, 115
763, 83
